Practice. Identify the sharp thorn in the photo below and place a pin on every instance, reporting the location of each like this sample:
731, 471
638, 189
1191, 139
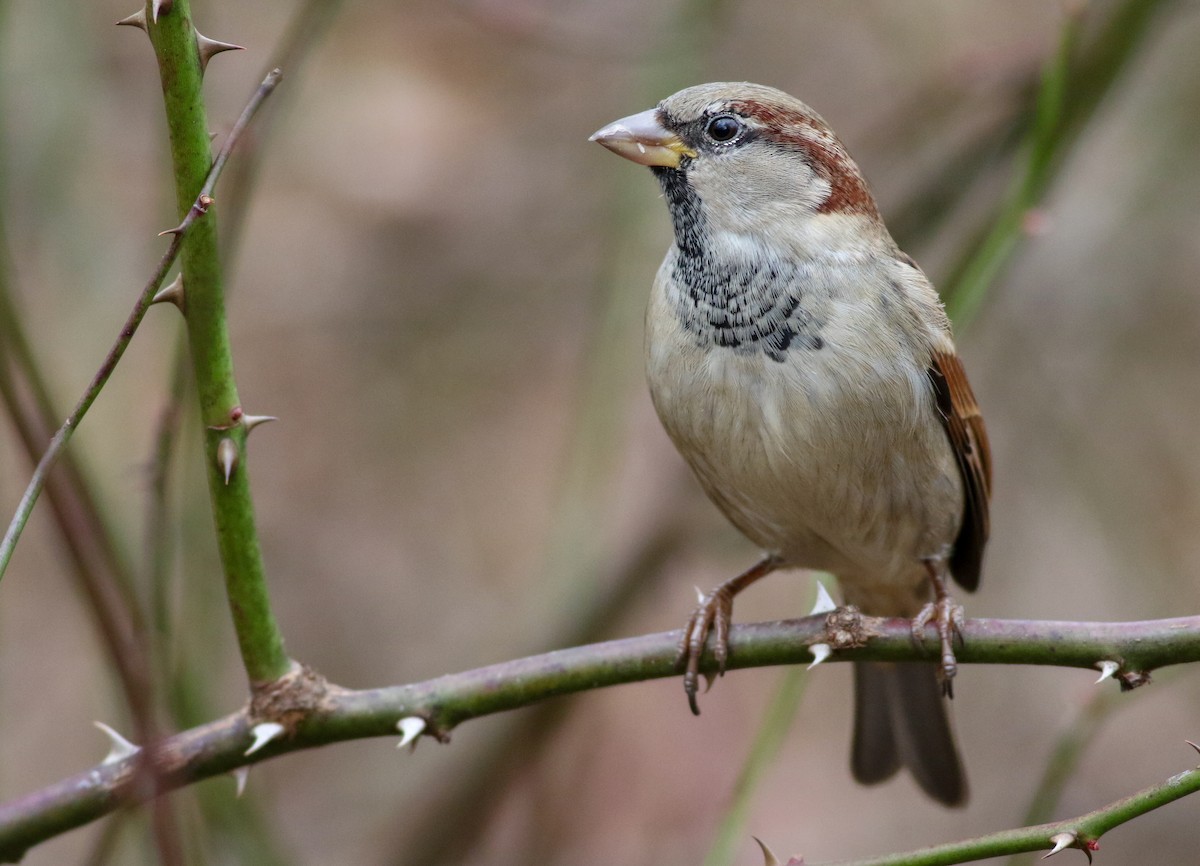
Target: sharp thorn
769, 858
171, 294
210, 47
1107, 669
1193, 745
263, 734
176, 230
699, 595
240, 777
410, 727
137, 19
824, 603
120, 748
1061, 841
820, 652
227, 458
252, 421
160, 7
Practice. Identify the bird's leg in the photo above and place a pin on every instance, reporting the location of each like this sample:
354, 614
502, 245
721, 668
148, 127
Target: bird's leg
714, 613
946, 615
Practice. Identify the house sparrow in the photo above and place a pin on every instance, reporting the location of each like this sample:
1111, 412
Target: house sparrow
804, 367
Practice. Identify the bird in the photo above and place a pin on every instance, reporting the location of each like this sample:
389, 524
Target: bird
805, 369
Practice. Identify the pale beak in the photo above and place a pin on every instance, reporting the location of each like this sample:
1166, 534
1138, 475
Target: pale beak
643, 139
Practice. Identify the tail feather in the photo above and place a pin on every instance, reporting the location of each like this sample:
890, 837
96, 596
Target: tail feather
900, 720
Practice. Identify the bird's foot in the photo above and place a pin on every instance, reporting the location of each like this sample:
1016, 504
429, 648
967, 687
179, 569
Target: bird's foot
948, 617
714, 615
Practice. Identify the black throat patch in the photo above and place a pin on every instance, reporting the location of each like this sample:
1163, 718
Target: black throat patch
743, 304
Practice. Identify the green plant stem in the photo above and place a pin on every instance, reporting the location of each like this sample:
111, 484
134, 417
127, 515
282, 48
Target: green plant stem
259, 638
1086, 830
982, 268
341, 714
195, 210
1065, 758
1067, 97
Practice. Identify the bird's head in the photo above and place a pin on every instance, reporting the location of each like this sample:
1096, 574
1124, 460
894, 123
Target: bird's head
747, 161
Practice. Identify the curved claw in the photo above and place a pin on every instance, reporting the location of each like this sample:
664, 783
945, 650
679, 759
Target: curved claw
713, 615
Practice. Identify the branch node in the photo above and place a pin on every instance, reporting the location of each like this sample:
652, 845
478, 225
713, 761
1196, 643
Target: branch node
846, 627
1131, 680
290, 699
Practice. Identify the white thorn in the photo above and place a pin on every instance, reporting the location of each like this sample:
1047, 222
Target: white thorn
1061, 841
769, 858
227, 456
699, 595
263, 734
240, 776
160, 7
410, 728
1107, 669
137, 19
121, 748
824, 603
210, 47
820, 652
171, 294
252, 421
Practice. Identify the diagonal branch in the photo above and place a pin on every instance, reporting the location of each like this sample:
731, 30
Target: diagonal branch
333, 714
145, 298
1082, 833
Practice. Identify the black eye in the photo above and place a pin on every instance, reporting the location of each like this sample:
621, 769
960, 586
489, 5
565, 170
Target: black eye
723, 128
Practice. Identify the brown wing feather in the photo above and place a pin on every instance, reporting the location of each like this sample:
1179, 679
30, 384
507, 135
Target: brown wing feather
968, 437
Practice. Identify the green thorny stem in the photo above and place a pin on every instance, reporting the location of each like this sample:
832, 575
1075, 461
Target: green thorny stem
225, 428
1082, 833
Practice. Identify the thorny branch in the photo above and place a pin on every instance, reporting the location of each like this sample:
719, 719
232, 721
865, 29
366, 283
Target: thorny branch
436, 706
1082, 833
145, 298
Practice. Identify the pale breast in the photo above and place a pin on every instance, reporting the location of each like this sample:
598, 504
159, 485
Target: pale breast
830, 454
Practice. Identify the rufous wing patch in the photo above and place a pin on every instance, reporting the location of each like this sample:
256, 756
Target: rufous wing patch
968, 437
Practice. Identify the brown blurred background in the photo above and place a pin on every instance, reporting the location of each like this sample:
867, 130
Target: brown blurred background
438, 288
